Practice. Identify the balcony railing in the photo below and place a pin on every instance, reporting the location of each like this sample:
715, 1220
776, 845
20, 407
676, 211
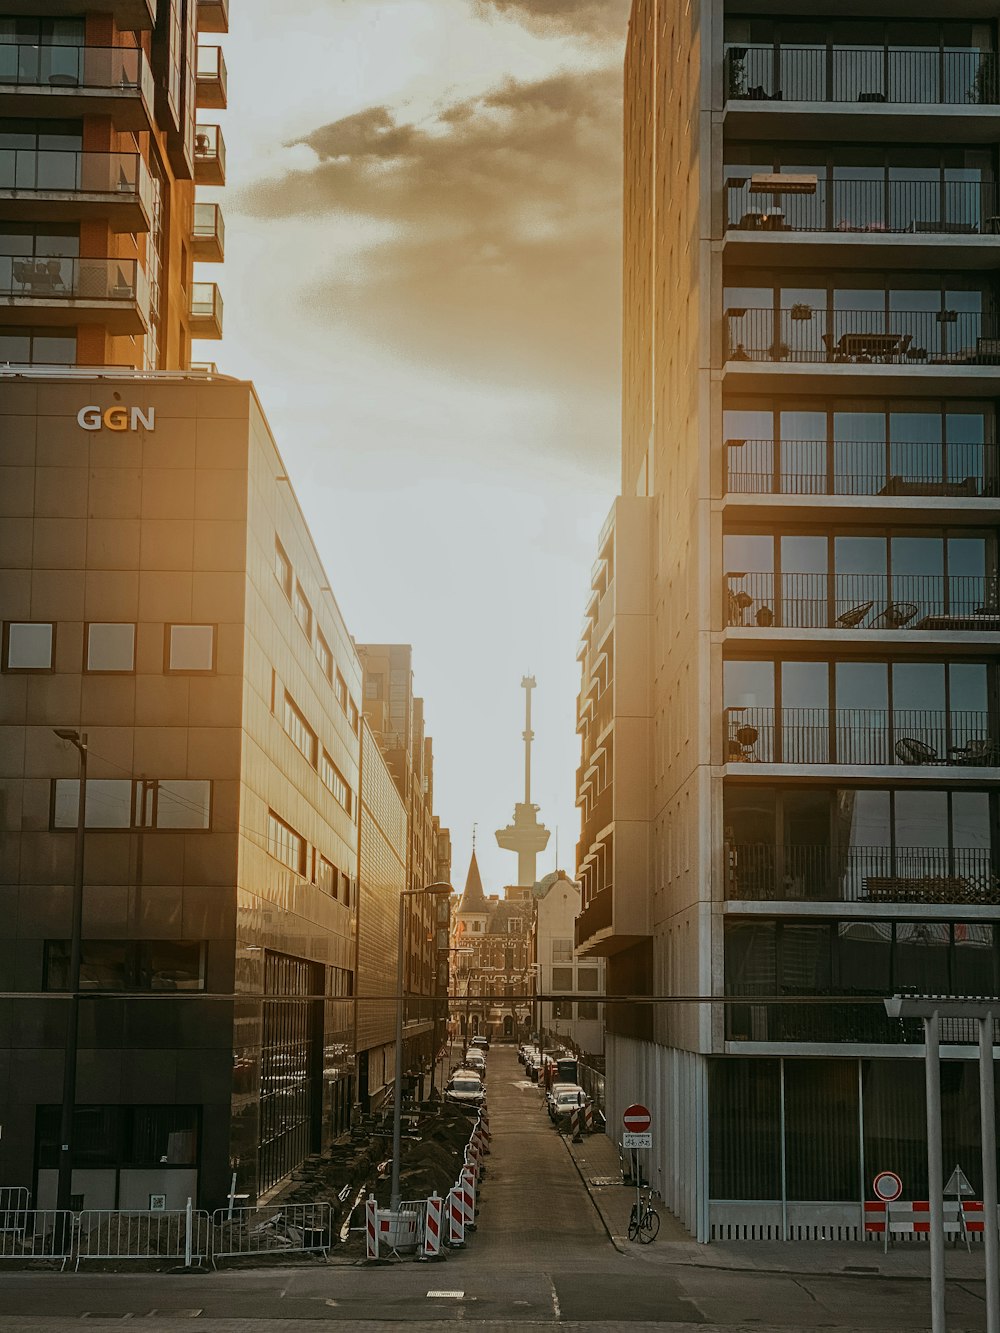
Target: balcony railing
873, 207
206, 310
115, 175
801, 333
833, 1022
211, 83
209, 155
57, 278
208, 233
596, 916
117, 69
861, 467
863, 601
764, 872
864, 75
862, 736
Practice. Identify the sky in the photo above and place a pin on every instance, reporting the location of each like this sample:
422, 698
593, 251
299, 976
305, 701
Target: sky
422, 278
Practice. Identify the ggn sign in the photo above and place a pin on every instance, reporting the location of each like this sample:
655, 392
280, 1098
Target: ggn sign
116, 418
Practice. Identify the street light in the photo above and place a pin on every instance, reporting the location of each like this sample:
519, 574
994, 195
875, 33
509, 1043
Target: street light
64, 1186
397, 1108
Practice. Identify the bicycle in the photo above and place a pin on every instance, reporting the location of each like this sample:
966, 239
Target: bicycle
644, 1222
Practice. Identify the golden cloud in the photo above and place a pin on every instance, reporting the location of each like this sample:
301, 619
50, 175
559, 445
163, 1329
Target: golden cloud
589, 18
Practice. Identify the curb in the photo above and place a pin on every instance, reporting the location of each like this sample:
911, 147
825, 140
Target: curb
616, 1241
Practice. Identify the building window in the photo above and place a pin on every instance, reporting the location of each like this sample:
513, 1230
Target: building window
327, 876
157, 1137
283, 569
181, 803
37, 347
373, 687
154, 965
515, 926
28, 647
586, 1009
285, 845
324, 656
587, 978
108, 804
298, 730
111, 648
190, 648
303, 611
562, 951
562, 1009
341, 688
335, 781
355, 716
562, 978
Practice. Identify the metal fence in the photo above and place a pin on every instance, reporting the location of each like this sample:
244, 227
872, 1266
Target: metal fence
35, 1233
184, 1235
297, 1228
957, 469
806, 333
865, 74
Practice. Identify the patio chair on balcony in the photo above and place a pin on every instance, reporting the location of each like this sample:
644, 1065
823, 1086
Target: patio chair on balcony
740, 745
981, 753
895, 615
853, 616
911, 751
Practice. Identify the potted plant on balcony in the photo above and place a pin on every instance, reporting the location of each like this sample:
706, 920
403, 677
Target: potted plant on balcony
737, 72
780, 351
801, 310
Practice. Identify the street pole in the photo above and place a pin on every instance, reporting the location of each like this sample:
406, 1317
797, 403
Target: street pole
64, 1185
987, 1117
935, 1177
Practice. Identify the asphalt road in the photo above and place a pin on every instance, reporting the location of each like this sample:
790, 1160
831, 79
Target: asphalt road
540, 1256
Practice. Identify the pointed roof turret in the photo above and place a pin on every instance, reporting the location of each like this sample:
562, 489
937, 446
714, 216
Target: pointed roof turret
473, 898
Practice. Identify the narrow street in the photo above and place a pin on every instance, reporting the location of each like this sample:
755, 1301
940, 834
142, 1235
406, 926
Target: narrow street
541, 1256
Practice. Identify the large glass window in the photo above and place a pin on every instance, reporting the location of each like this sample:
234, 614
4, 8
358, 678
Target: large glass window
285, 845
108, 804
744, 1111
128, 965
110, 648
28, 646
190, 648
821, 1105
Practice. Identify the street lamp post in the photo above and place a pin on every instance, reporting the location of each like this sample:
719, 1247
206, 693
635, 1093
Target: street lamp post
64, 1186
397, 1103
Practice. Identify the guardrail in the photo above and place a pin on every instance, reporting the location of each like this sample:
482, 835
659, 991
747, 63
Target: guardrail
897, 601
297, 1228
35, 1233
183, 1234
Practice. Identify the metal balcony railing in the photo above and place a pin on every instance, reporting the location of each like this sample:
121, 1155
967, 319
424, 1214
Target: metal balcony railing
206, 301
208, 223
116, 69
765, 872
861, 467
863, 601
921, 207
55, 278
596, 916
861, 74
54, 171
862, 736
210, 149
832, 1022
804, 333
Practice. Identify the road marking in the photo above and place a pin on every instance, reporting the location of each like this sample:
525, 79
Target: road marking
555, 1300
446, 1295
174, 1314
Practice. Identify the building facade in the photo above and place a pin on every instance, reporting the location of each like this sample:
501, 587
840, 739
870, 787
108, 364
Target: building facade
577, 1017
107, 124
810, 379
492, 990
161, 596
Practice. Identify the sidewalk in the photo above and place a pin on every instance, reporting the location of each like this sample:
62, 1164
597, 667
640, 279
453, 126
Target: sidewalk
596, 1159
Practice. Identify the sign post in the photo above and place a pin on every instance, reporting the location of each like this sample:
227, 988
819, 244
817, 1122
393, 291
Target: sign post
636, 1121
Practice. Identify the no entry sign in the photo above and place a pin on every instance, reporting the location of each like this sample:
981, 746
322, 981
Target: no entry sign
887, 1186
636, 1119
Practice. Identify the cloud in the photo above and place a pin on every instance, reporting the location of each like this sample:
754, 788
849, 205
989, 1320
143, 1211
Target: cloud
590, 18
503, 215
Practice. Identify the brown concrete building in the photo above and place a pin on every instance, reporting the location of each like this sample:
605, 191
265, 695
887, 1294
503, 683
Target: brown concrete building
107, 123
160, 594
492, 986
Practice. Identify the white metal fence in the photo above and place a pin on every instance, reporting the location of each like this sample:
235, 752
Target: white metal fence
184, 1235
35, 1233
283, 1228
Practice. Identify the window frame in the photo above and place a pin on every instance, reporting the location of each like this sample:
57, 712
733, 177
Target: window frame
9, 670
88, 628
168, 630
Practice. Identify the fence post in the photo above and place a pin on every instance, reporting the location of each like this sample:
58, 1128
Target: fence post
188, 1238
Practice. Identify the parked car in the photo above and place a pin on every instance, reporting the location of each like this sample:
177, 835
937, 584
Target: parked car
474, 1059
465, 1087
481, 1042
553, 1092
565, 1103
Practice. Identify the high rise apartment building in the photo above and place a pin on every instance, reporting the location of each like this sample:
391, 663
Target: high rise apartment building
106, 127
810, 383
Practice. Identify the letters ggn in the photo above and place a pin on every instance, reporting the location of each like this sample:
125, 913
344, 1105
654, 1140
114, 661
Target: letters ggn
116, 418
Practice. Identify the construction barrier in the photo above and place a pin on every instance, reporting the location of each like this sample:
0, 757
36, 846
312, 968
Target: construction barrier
185, 1235
36, 1233
402, 1230
433, 1227
456, 1217
467, 1186
371, 1227
14, 1200
913, 1219
295, 1228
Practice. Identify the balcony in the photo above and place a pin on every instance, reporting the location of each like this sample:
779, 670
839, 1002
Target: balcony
860, 737
206, 310
595, 919
211, 81
75, 81
209, 155
763, 872
597, 815
900, 468
829, 1021
862, 221
129, 15
53, 186
213, 15
208, 236
54, 291
863, 601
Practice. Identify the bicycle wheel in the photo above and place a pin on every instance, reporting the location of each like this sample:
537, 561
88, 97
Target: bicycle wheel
649, 1226
633, 1225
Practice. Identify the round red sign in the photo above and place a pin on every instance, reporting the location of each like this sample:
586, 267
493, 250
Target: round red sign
636, 1119
887, 1186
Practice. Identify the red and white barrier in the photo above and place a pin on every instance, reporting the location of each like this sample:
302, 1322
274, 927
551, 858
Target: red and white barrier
467, 1186
456, 1217
433, 1226
904, 1218
371, 1227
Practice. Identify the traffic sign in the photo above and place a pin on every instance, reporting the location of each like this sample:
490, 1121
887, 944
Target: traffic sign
630, 1140
958, 1183
636, 1118
887, 1186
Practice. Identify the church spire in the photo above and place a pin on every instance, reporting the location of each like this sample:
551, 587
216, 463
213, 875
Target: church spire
473, 898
